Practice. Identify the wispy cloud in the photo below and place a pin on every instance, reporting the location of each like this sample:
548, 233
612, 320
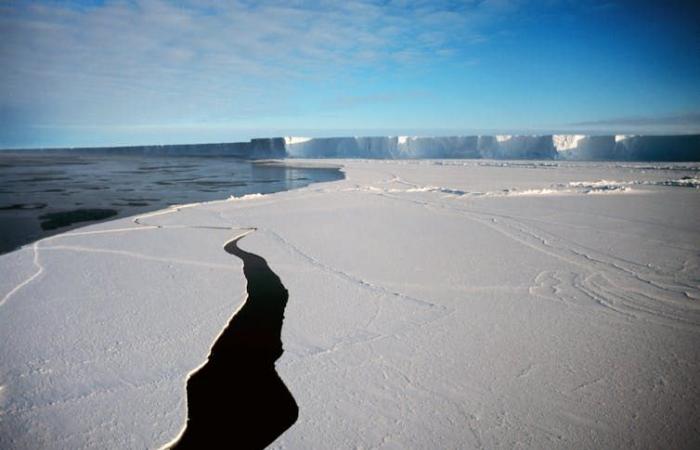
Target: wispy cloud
125, 65
350, 101
149, 61
688, 122
692, 118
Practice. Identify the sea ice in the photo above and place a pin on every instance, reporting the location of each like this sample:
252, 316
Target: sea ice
427, 309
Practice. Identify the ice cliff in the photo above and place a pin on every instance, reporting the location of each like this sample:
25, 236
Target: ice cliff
557, 146
575, 147
254, 149
397, 147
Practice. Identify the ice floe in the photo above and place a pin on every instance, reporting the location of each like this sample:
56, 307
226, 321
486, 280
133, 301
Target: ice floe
431, 305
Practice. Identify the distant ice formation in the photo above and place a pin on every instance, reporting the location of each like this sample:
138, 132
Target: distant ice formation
558, 146
263, 148
548, 147
398, 147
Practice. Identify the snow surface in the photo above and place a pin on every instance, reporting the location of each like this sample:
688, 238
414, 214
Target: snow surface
428, 308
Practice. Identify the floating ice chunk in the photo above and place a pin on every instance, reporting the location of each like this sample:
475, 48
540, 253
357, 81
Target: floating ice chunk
691, 182
246, 197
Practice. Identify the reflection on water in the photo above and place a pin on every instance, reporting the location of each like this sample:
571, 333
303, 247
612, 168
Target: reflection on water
70, 190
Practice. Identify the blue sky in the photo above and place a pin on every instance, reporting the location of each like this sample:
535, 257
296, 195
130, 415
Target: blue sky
142, 72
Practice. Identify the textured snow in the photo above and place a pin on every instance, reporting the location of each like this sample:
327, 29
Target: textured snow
688, 181
106, 325
433, 304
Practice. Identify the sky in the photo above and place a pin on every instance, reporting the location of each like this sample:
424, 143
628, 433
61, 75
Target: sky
103, 73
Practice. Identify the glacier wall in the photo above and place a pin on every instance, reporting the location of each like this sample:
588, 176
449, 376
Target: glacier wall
634, 148
263, 148
569, 146
396, 147
552, 146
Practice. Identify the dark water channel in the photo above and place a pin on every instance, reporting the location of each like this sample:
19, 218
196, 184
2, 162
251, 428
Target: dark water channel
49, 192
237, 400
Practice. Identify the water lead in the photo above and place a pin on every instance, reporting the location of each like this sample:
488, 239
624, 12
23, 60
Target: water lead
236, 399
